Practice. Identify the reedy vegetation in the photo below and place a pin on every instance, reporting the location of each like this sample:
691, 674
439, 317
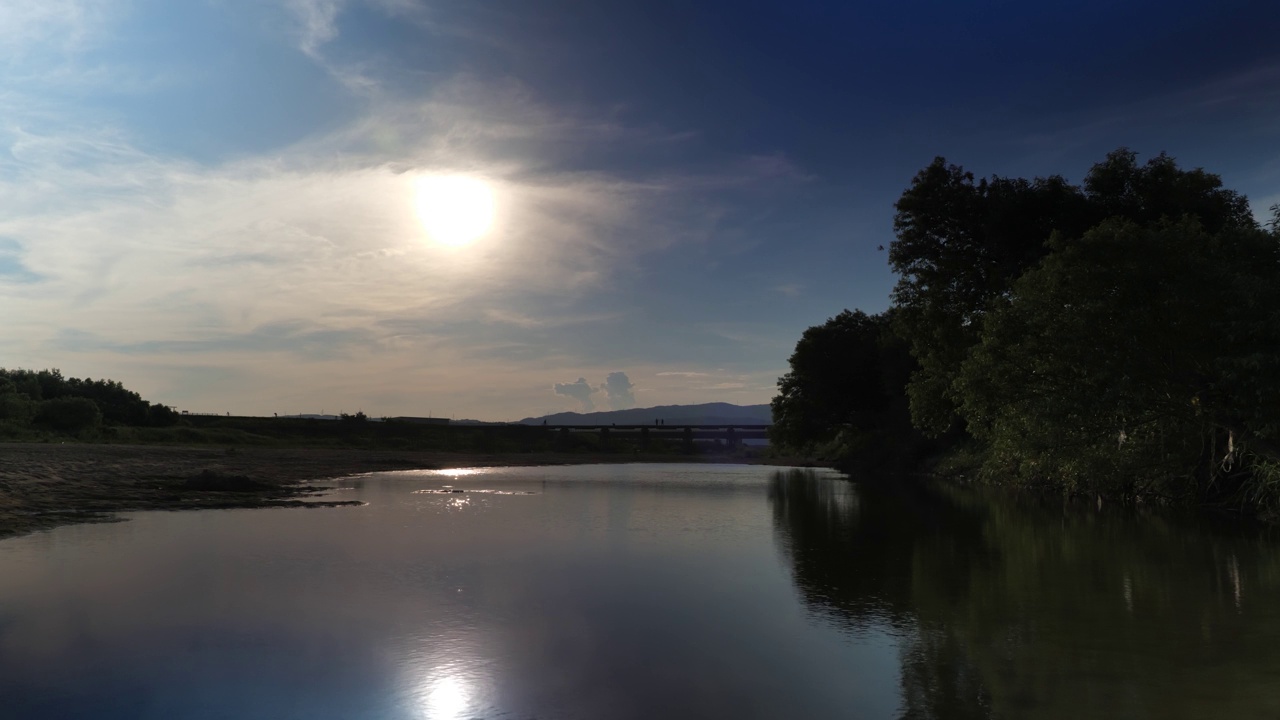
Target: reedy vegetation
1119, 338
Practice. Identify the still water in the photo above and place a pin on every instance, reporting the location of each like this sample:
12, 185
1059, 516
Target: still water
640, 591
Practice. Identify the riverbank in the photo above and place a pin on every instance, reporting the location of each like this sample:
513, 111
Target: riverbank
45, 485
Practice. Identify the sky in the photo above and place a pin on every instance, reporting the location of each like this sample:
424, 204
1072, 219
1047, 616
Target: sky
217, 202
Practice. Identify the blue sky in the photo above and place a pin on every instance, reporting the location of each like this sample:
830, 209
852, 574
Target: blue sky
212, 200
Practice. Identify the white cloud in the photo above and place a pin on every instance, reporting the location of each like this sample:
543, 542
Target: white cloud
146, 252
619, 390
317, 22
306, 267
63, 26
579, 390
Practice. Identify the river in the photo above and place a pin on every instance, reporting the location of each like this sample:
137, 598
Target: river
640, 591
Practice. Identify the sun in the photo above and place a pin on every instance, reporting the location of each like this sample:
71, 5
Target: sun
455, 210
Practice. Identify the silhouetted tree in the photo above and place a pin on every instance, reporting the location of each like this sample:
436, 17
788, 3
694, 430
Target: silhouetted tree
116, 404
162, 415
845, 388
69, 415
1138, 357
961, 244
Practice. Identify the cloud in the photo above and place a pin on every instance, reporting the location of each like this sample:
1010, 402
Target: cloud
580, 390
318, 23
133, 244
719, 384
119, 257
618, 389
1251, 96
63, 25
305, 340
12, 268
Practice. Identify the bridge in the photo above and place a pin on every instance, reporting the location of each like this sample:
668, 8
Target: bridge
688, 434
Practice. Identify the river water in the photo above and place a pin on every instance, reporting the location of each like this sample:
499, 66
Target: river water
640, 591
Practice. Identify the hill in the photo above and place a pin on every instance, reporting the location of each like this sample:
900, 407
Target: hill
704, 414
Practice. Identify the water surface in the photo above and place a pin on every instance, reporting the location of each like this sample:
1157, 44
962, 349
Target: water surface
641, 591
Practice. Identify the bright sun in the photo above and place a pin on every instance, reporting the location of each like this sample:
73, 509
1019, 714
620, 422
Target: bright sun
454, 210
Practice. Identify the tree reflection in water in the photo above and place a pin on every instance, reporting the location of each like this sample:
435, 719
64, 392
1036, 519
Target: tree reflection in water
1017, 609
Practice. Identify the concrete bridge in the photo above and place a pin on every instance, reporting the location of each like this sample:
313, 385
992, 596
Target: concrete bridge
688, 434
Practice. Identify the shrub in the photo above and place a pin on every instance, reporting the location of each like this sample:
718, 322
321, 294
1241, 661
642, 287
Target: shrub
69, 415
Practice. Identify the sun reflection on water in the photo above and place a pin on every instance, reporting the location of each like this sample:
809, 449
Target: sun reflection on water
446, 698
458, 472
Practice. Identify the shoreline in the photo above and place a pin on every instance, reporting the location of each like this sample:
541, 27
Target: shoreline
43, 486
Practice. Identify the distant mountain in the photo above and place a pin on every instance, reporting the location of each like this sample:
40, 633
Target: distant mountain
705, 414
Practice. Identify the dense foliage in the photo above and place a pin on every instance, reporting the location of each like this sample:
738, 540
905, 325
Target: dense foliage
1118, 337
843, 397
45, 400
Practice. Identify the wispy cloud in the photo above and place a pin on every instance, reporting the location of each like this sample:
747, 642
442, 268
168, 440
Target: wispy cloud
298, 338
63, 26
718, 384
119, 258
1251, 94
317, 23
12, 268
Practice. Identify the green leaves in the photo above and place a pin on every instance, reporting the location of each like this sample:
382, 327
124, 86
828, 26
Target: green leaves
962, 243
1114, 363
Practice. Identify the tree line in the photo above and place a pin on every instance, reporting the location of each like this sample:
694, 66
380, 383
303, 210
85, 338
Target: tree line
1120, 337
46, 400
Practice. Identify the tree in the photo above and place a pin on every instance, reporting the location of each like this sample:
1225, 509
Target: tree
1134, 359
23, 390
962, 243
1160, 190
845, 376
16, 409
162, 415
72, 415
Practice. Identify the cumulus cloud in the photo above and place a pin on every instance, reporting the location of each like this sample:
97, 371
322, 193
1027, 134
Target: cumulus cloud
580, 390
618, 389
